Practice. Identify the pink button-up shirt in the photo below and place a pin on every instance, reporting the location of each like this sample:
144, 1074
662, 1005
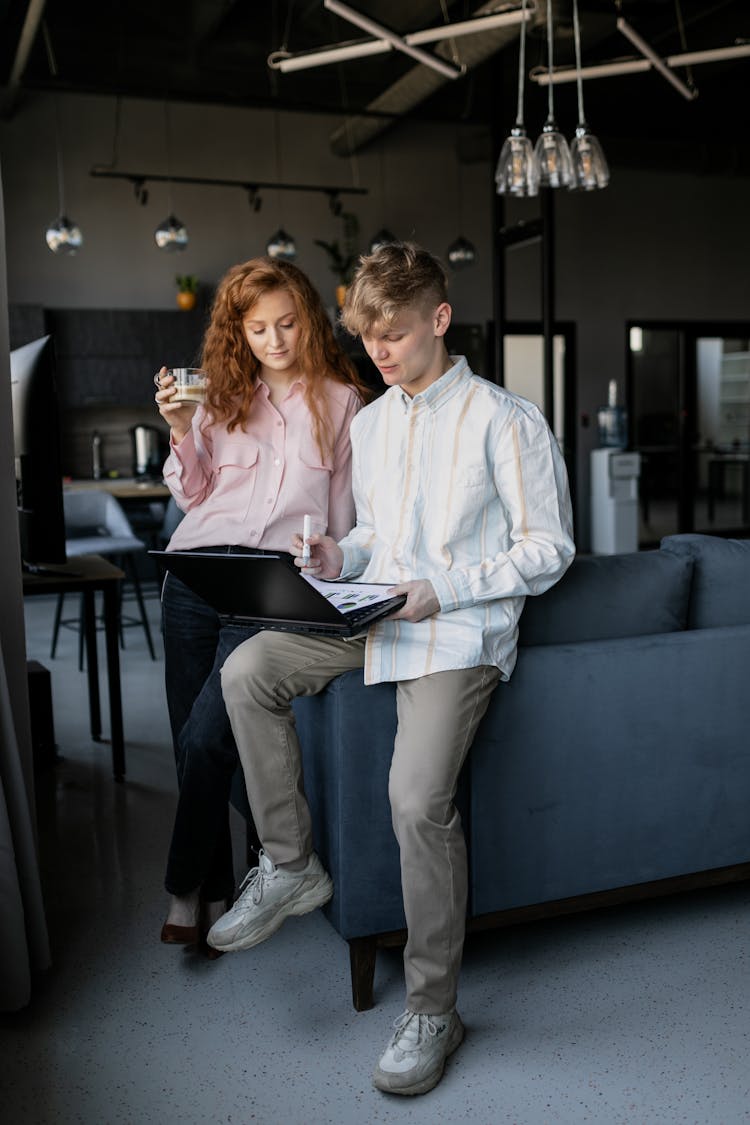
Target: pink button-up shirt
252, 487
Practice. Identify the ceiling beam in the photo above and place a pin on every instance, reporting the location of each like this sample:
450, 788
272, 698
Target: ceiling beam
31, 23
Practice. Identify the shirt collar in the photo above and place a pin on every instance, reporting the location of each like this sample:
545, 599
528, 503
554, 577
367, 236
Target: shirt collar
300, 381
443, 389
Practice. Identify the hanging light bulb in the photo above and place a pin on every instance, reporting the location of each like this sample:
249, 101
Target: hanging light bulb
171, 234
281, 245
517, 171
382, 238
461, 253
551, 149
590, 170
64, 236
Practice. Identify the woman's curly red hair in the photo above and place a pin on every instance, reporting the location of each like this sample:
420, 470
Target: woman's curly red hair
232, 368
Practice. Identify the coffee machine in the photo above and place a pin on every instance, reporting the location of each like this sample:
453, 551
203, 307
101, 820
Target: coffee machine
147, 452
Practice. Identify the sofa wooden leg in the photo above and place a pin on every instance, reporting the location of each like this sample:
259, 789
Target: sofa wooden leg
362, 953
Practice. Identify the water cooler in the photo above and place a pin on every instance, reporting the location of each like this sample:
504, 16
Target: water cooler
614, 501
614, 484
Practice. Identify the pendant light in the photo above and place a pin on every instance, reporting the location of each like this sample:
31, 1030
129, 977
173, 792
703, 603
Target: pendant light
63, 235
461, 253
517, 171
171, 234
590, 170
280, 244
382, 238
551, 149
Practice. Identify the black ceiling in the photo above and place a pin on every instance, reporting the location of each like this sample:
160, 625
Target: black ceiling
216, 51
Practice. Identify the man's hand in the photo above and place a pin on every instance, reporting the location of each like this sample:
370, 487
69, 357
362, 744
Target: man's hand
326, 557
421, 601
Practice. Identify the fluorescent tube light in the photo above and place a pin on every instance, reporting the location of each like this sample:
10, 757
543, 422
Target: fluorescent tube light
656, 61
361, 48
634, 66
395, 41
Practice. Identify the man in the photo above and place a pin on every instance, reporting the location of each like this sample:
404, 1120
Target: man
462, 505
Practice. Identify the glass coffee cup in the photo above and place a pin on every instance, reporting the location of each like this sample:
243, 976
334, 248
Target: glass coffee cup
189, 384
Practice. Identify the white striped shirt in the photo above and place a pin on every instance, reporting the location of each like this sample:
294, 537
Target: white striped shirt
463, 484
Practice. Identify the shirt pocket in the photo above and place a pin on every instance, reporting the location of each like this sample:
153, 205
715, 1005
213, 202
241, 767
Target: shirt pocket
472, 490
236, 465
314, 476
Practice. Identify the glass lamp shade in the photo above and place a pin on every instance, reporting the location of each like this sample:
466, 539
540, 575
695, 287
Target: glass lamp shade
461, 253
553, 156
171, 234
281, 245
517, 171
382, 238
64, 236
590, 169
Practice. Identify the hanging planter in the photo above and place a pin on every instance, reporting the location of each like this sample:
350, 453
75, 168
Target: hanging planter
187, 291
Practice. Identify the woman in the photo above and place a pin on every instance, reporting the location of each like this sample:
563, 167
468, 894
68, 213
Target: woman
269, 446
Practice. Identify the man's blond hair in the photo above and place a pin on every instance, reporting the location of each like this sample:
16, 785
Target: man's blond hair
395, 277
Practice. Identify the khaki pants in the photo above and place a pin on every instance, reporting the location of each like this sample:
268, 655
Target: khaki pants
437, 719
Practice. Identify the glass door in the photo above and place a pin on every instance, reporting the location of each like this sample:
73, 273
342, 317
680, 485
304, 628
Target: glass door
722, 451
523, 370
689, 407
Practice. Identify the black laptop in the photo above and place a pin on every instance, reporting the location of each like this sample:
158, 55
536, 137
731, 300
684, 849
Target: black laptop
268, 590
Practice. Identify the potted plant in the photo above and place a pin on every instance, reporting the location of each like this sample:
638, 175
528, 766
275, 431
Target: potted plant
342, 257
187, 290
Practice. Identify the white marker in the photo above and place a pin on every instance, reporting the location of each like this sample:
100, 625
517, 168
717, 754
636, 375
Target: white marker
306, 533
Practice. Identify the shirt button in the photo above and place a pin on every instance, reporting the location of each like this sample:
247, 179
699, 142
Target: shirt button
277, 461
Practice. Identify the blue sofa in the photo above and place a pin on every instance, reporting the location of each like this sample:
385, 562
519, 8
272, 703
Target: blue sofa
614, 765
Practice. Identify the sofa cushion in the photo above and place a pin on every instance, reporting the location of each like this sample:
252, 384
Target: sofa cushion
603, 596
720, 593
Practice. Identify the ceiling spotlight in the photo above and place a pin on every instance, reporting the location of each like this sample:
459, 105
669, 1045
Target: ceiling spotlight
171, 234
461, 253
141, 192
382, 238
281, 245
64, 236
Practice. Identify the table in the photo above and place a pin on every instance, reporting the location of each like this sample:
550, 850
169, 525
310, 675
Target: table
85, 575
122, 487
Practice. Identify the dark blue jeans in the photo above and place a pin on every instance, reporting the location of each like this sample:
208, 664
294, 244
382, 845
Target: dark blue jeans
196, 644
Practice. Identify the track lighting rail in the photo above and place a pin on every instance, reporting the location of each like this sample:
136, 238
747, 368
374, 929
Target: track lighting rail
139, 179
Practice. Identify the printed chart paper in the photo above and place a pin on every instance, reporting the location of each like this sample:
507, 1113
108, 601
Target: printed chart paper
346, 596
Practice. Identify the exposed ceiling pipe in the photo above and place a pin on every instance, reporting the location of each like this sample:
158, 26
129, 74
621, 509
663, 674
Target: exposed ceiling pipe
34, 14
419, 83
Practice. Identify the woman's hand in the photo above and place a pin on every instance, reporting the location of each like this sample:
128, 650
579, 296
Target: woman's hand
179, 415
326, 557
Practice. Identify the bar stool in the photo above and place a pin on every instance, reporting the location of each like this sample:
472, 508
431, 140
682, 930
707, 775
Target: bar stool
96, 524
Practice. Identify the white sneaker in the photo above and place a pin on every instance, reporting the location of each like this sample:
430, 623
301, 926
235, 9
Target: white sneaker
268, 895
414, 1060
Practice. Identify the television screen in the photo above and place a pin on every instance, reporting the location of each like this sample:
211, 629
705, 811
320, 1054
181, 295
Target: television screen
36, 441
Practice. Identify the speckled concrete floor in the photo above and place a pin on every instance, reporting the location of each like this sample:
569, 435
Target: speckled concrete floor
631, 1015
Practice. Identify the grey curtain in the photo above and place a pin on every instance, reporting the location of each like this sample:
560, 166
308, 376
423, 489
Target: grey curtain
24, 945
